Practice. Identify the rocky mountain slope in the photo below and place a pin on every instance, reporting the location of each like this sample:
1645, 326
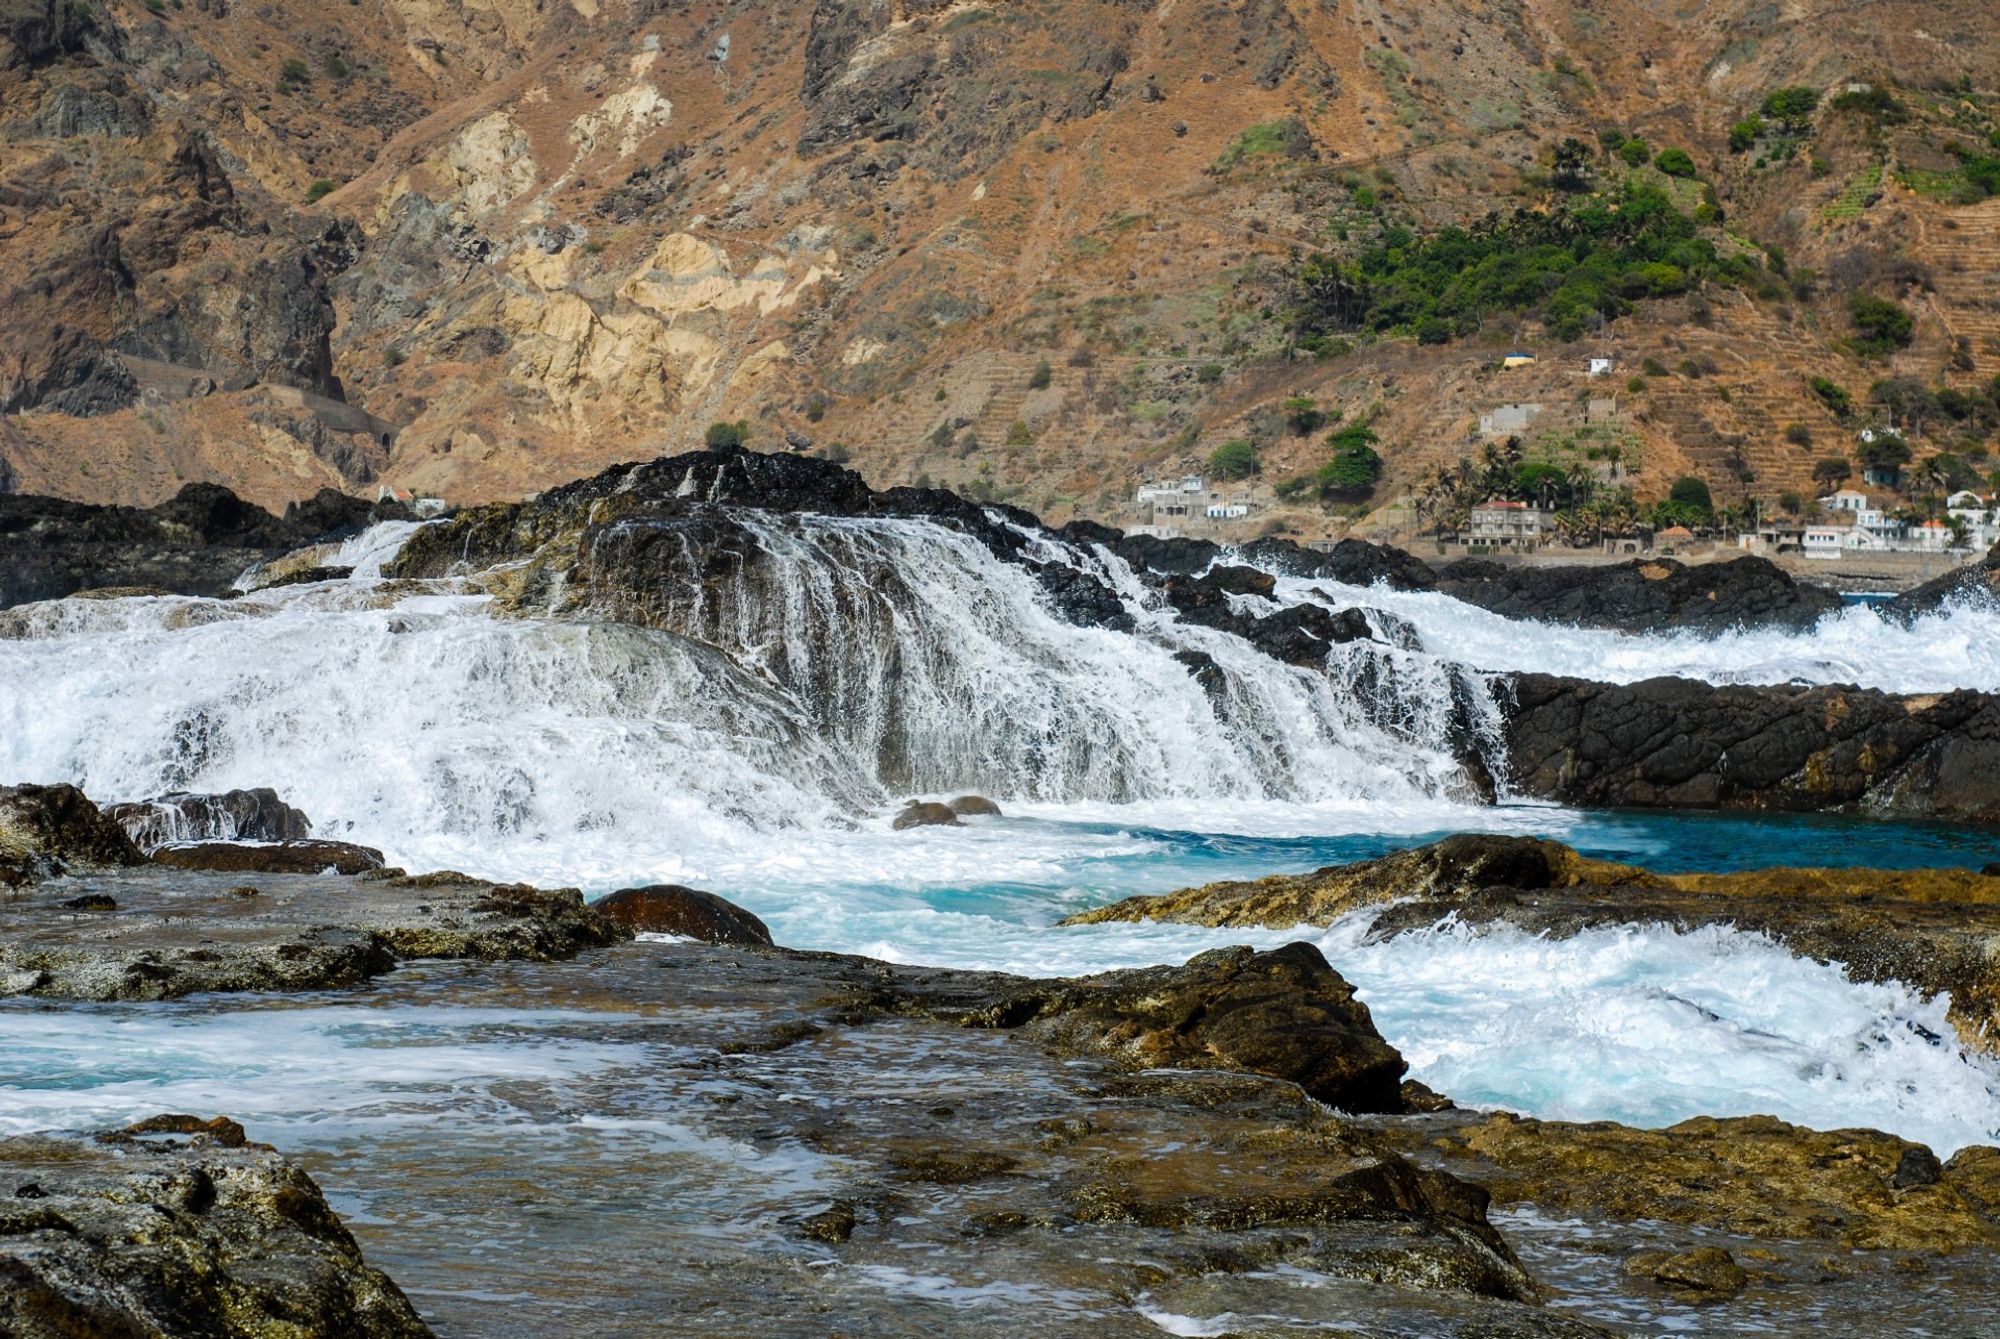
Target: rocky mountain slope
1032, 251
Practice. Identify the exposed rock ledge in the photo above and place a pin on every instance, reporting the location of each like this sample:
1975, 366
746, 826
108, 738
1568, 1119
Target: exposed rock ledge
154, 934
1933, 929
141, 1233
1675, 743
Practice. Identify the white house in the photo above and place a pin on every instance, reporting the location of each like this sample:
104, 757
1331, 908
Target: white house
1176, 500
1847, 499
1930, 537
1600, 367
1824, 541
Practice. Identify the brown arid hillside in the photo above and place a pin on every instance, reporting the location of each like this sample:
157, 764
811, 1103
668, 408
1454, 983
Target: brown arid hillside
1041, 251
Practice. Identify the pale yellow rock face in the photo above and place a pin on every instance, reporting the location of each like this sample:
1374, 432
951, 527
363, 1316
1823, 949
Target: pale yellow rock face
687, 275
623, 121
489, 165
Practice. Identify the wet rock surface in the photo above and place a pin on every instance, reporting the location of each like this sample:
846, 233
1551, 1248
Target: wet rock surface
630, 542
687, 912
1975, 584
1751, 1176
46, 830
281, 857
1650, 595
196, 543
180, 1227
169, 933
1680, 744
233, 815
1932, 929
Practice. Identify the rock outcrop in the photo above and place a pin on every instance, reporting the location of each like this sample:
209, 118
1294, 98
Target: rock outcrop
1651, 595
1752, 1175
197, 543
179, 1226
280, 857
157, 934
46, 831
687, 912
232, 815
1680, 744
1283, 1013
1975, 584
1931, 929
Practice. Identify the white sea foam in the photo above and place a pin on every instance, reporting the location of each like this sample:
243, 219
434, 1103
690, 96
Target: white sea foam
1957, 648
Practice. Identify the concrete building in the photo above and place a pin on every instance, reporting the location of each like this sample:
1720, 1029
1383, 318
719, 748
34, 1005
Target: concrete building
1509, 420
1501, 523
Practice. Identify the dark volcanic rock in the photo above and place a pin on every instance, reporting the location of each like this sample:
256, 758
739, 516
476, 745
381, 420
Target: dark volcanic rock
284, 857
1975, 584
1652, 595
196, 543
45, 830
133, 1234
975, 806
631, 539
231, 815
1675, 743
671, 909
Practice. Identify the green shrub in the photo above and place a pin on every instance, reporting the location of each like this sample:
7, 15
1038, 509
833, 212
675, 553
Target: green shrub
1831, 394
1675, 163
294, 71
1794, 105
319, 190
723, 435
1635, 152
1575, 266
1743, 135
1018, 434
1882, 326
393, 356
1303, 415
1798, 434
1351, 474
1040, 380
1234, 459
1208, 373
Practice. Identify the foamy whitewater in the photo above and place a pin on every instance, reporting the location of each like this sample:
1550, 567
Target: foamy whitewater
759, 747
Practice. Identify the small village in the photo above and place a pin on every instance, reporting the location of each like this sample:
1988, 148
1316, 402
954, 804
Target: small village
1512, 498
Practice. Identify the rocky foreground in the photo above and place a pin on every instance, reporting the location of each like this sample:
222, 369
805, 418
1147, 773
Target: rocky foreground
823, 1143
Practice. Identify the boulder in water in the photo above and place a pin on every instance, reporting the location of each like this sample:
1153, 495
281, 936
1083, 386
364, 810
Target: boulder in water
688, 912
46, 830
975, 806
290, 857
140, 1232
1707, 1273
919, 814
1283, 1013
230, 815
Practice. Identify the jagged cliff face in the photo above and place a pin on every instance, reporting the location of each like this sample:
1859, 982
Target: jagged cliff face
550, 234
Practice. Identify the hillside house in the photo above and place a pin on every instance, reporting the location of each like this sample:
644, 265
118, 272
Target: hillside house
1502, 523
1517, 358
1173, 500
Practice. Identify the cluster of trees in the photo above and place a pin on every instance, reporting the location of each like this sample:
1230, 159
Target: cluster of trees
1586, 510
1586, 262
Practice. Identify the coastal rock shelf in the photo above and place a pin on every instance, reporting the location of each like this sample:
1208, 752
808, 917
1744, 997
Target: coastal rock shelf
1932, 929
159, 933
